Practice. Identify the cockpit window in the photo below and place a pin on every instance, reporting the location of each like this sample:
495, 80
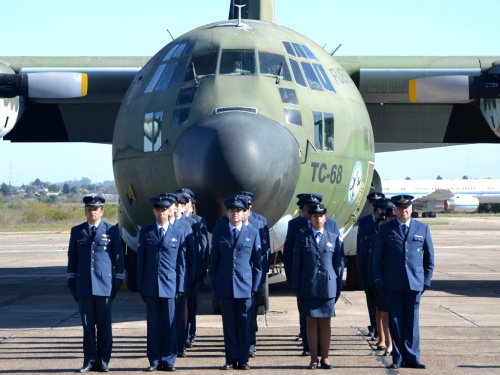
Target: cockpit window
288, 96
308, 52
300, 52
312, 79
289, 48
201, 66
274, 65
320, 72
237, 63
179, 72
179, 50
166, 76
299, 77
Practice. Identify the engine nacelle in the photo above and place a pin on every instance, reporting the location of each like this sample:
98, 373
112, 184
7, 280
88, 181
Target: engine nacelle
9, 107
462, 203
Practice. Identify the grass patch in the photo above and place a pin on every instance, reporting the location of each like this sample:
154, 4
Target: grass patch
33, 216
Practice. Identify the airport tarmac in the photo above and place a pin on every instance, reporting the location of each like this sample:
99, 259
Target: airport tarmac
40, 331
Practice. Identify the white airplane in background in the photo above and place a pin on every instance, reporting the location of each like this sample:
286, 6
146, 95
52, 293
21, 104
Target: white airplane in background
445, 195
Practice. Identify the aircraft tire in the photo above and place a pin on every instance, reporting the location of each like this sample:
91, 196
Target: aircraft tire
353, 278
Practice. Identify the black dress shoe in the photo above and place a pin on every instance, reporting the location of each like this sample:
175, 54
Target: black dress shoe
415, 365
394, 365
152, 368
312, 366
306, 354
325, 366
103, 368
243, 366
181, 355
169, 368
86, 368
227, 366
380, 347
189, 344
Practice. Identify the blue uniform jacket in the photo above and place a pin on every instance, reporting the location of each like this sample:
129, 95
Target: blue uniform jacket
184, 225
199, 227
295, 226
363, 223
94, 267
235, 272
403, 265
318, 269
161, 266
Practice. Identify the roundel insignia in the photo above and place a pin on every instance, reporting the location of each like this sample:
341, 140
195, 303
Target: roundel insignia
355, 182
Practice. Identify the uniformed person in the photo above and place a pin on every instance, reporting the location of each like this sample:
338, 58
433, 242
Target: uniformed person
361, 258
259, 222
161, 269
199, 227
403, 263
295, 226
177, 220
318, 265
95, 275
385, 213
235, 274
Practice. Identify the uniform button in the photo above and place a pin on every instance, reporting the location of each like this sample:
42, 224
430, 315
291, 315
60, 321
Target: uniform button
92, 268
234, 257
406, 258
93, 251
319, 271
105, 247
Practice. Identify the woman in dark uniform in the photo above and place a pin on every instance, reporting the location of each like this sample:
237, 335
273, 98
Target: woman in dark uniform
318, 265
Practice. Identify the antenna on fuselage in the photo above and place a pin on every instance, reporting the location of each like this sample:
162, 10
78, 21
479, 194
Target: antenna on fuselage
335, 50
168, 31
240, 24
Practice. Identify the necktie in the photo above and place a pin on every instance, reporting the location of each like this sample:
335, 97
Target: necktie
162, 233
318, 237
235, 236
92, 230
405, 230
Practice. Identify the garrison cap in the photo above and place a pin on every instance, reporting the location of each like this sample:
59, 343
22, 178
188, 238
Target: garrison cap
94, 200
317, 209
174, 198
402, 200
236, 201
375, 196
182, 198
185, 191
161, 201
188, 192
309, 198
382, 203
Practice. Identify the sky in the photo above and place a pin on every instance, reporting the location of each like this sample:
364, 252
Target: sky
141, 28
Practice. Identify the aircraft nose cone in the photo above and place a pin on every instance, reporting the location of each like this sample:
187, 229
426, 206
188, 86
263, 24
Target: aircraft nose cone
236, 151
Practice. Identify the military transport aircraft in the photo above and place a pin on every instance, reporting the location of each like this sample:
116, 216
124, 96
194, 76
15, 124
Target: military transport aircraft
246, 104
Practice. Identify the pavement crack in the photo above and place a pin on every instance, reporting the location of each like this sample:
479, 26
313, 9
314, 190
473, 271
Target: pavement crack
461, 316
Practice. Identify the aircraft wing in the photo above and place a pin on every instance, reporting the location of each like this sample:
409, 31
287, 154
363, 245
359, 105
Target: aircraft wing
449, 108
455, 99
90, 118
438, 195
433, 201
